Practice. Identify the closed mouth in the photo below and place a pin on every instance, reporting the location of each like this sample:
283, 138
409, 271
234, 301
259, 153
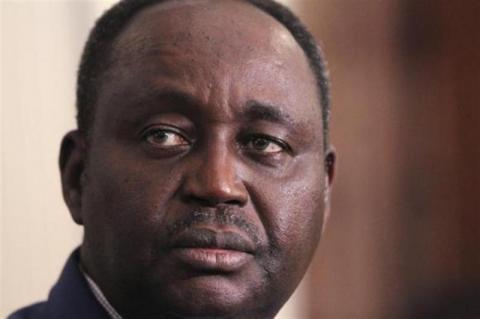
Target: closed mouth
213, 237
212, 248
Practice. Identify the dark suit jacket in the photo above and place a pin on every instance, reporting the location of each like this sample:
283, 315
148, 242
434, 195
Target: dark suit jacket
70, 298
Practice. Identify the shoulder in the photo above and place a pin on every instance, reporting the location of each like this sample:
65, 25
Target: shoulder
70, 298
34, 311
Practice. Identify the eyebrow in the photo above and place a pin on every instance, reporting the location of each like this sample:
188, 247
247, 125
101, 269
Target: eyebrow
256, 111
253, 111
171, 94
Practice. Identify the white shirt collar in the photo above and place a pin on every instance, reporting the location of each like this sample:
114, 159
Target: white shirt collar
100, 296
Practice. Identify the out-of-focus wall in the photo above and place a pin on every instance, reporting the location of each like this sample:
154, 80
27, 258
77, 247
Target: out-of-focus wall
354, 273
404, 234
41, 43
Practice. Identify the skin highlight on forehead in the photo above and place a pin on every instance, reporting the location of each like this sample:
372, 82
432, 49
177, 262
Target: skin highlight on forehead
205, 27
218, 30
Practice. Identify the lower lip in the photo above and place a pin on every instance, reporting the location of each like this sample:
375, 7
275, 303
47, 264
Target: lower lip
211, 259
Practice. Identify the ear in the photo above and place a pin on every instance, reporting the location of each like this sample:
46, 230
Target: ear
329, 162
72, 169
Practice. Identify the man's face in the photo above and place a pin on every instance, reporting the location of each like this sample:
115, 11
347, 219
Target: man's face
204, 185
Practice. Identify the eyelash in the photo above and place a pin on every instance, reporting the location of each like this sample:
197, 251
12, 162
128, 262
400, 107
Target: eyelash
150, 132
271, 140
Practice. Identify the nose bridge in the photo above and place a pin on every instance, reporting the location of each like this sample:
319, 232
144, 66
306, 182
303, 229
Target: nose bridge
217, 165
214, 178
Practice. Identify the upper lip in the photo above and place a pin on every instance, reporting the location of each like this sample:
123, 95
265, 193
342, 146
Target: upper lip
212, 236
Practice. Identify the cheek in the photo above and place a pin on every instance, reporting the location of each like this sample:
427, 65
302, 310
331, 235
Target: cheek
298, 219
124, 203
292, 210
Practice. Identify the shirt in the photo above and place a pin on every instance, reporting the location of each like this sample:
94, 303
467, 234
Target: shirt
97, 292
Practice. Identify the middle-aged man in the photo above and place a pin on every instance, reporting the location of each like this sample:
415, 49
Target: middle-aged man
201, 166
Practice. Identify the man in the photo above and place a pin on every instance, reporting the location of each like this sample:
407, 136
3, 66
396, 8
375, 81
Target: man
201, 167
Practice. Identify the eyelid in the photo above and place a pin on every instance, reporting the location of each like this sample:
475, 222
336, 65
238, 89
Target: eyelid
161, 127
281, 143
165, 128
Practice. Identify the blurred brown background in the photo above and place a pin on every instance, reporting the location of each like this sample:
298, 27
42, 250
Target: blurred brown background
403, 240
404, 237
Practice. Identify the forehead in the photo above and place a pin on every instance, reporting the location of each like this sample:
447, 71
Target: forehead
230, 47
206, 25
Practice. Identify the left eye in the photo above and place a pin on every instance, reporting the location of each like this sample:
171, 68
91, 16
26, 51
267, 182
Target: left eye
264, 145
165, 138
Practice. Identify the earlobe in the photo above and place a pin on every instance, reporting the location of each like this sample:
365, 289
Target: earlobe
72, 169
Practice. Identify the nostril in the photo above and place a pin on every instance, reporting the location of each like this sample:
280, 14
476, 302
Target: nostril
234, 202
191, 198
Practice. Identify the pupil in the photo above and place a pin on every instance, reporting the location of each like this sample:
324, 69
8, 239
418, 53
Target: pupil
160, 135
260, 143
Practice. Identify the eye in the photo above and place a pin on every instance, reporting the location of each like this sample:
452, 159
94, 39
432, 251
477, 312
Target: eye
266, 145
164, 138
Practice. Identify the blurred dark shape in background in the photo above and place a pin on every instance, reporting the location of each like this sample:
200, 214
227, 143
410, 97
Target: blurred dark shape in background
453, 304
404, 236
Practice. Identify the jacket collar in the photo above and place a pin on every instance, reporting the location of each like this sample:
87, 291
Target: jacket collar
71, 296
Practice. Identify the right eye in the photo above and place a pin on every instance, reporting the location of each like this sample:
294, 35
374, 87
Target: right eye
163, 138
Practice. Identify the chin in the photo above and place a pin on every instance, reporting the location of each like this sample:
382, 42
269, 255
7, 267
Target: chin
211, 296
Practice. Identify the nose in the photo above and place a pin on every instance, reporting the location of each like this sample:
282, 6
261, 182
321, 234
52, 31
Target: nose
213, 179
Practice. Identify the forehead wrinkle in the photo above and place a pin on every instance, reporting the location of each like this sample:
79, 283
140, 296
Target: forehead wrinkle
136, 48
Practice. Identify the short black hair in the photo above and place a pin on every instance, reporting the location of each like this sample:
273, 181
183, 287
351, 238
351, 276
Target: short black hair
95, 59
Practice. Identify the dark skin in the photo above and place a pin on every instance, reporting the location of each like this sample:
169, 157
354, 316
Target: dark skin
204, 187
